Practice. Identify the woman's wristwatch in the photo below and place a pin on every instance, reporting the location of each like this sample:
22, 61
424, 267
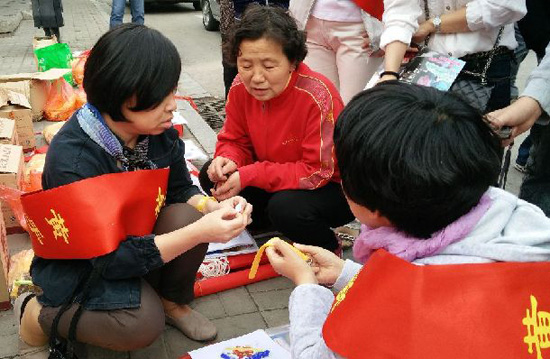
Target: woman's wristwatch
437, 24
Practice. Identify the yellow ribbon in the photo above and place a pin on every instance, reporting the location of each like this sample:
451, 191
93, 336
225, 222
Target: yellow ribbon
258, 256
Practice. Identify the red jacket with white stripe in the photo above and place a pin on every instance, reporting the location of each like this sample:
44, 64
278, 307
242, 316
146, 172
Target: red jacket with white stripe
286, 142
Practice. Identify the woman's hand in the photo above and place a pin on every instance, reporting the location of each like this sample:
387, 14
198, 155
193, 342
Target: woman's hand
221, 225
289, 264
521, 115
220, 168
240, 205
229, 188
424, 30
327, 266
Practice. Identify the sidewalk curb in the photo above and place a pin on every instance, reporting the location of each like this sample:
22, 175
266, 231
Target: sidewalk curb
204, 134
9, 23
12, 13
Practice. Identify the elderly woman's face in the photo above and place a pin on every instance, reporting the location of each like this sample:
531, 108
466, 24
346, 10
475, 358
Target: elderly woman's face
264, 68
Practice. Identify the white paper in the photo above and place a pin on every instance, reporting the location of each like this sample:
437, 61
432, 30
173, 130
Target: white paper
257, 343
243, 243
193, 153
178, 119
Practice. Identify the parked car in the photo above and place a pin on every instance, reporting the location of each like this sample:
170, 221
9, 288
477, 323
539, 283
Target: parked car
210, 14
196, 4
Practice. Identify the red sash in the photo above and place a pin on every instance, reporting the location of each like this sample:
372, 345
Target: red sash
374, 8
89, 218
395, 309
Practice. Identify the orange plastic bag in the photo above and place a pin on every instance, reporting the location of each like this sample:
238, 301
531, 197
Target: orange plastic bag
12, 197
62, 101
77, 64
32, 177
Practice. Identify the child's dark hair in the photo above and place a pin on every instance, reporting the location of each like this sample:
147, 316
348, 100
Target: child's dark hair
271, 22
419, 156
131, 60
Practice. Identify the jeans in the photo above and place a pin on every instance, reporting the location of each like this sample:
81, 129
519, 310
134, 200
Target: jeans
523, 151
137, 9
520, 53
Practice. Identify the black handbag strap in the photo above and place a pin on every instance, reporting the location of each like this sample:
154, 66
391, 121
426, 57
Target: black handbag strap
86, 286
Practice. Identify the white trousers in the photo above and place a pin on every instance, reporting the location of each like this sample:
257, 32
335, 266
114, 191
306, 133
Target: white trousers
335, 50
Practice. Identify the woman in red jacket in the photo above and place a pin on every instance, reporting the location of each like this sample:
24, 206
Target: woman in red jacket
276, 146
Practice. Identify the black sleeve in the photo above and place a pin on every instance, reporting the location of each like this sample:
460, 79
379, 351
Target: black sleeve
134, 257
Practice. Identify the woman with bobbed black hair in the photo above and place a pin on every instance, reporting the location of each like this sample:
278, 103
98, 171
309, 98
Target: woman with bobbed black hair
276, 148
125, 130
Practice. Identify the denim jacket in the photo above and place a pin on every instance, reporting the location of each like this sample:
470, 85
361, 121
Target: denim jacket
73, 156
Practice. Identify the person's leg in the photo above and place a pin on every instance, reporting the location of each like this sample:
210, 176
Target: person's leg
355, 67
520, 53
308, 216
498, 76
175, 280
120, 329
117, 13
55, 31
320, 56
523, 152
259, 200
137, 9
536, 184
29, 328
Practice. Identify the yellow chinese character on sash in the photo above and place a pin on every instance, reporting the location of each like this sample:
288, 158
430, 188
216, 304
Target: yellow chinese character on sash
342, 294
538, 329
34, 229
160, 202
58, 225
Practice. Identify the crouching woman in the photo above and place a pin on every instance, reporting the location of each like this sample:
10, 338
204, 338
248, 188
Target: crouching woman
111, 148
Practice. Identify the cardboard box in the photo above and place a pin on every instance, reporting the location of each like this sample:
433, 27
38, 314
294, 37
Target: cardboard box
11, 169
4, 268
14, 106
8, 134
39, 42
34, 86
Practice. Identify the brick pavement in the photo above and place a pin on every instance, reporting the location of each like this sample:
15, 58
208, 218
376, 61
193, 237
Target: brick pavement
234, 312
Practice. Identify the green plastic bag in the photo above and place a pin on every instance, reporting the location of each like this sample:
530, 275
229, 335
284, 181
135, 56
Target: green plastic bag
56, 56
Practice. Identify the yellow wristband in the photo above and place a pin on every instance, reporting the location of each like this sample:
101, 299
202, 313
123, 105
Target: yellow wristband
202, 203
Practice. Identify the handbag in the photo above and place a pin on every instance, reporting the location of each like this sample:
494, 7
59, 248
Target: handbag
476, 92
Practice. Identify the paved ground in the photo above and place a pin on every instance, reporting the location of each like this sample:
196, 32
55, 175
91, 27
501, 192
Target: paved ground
234, 312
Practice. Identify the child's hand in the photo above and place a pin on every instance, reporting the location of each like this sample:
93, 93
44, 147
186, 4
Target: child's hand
289, 264
327, 266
